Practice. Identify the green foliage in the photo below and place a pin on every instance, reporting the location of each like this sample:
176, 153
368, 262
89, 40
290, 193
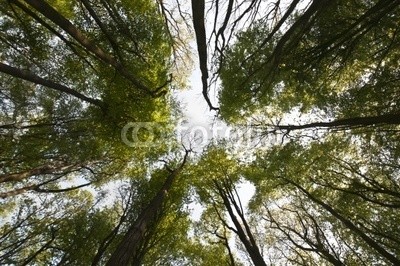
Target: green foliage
44, 127
338, 173
320, 199
338, 65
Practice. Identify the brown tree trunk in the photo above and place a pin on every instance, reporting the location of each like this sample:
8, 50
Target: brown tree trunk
41, 170
129, 246
244, 234
198, 7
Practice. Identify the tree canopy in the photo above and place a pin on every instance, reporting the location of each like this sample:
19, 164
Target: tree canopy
92, 171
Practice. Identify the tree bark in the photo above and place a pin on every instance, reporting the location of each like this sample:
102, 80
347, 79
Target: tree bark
245, 235
129, 246
198, 7
41, 170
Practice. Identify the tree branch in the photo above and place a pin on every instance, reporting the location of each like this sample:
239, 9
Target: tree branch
29, 76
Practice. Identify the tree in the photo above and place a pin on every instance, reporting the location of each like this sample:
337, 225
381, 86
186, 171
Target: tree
323, 197
198, 9
217, 191
91, 173
54, 229
73, 75
127, 250
345, 55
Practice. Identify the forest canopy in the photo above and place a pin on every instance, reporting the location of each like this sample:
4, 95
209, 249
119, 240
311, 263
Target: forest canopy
92, 171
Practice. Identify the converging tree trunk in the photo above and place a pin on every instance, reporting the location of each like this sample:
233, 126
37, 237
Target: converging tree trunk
350, 225
198, 7
226, 192
129, 246
50, 13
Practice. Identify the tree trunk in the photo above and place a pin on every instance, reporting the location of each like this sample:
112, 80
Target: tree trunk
41, 170
246, 238
129, 246
198, 7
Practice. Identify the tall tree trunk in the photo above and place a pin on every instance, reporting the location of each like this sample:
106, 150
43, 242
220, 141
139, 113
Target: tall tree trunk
244, 234
40, 170
198, 7
129, 246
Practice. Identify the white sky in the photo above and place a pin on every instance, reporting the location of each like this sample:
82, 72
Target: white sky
194, 106
198, 114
